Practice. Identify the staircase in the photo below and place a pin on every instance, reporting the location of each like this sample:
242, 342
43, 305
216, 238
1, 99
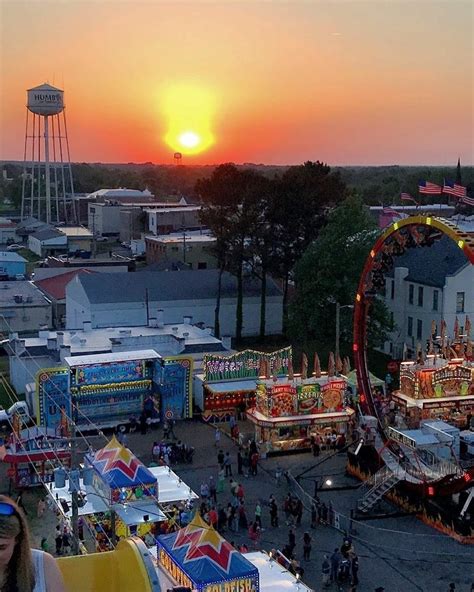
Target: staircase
381, 482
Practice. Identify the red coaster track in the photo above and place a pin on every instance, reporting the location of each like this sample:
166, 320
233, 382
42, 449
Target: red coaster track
415, 231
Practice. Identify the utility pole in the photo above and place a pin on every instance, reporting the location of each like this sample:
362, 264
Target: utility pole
184, 247
74, 494
338, 312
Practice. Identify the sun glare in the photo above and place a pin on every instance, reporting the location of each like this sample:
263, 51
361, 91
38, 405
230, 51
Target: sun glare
188, 111
189, 139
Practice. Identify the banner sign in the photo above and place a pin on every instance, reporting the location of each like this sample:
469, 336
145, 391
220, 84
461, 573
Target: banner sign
107, 373
452, 373
401, 438
245, 364
176, 389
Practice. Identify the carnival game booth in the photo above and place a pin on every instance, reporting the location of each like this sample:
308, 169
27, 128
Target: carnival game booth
127, 487
227, 387
199, 558
33, 454
288, 414
436, 389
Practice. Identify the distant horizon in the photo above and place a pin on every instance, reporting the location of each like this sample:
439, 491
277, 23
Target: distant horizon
173, 165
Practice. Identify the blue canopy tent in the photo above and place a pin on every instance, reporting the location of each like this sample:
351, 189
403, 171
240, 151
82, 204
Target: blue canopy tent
197, 556
119, 474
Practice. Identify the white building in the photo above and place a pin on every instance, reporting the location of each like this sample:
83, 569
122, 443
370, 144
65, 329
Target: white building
130, 299
428, 284
164, 220
29, 355
47, 242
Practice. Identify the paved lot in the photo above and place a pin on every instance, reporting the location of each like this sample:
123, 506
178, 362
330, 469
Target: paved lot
401, 554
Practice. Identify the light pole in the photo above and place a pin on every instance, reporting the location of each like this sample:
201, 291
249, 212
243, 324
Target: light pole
338, 330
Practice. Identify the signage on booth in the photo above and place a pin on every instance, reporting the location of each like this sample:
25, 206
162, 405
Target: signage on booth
244, 585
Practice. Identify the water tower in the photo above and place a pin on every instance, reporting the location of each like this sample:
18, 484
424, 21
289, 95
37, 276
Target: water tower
47, 174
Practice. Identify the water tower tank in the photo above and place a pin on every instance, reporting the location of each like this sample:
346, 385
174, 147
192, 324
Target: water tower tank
45, 100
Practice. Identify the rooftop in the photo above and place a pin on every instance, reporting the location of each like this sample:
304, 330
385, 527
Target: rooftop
168, 286
178, 208
120, 192
47, 234
55, 286
180, 237
21, 293
76, 231
145, 354
430, 266
11, 256
164, 340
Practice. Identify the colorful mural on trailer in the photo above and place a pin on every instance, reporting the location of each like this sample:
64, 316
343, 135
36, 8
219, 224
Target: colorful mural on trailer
112, 372
176, 388
246, 364
52, 396
200, 558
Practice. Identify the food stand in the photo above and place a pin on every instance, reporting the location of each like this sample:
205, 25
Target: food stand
288, 413
436, 389
228, 384
200, 558
33, 454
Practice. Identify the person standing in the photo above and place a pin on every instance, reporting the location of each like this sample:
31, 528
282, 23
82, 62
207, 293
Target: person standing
220, 480
258, 514
23, 569
335, 562
326, 571
220, 458
273, 513
291, 539
314, 515
217, 437
306, 546
298, 512
240, 462
41, 507
20, 504
228, 465
58, 540
354, 570
212, 489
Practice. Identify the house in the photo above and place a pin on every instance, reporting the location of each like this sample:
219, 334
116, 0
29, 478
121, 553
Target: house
8, 231
28, 355
47, 242
23, 308
425, 285
54, 288
112, 300
193, 248
12, 264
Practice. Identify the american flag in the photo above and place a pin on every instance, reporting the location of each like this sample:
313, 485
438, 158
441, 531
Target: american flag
460, 191
408, 197
467, 200
429, 188
448, 187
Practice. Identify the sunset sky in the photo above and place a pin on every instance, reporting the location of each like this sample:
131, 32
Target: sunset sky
381, 82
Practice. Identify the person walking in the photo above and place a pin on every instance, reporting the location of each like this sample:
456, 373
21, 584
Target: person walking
220, 458
228, 465
220, 481
306, 546
217, 437
354, 570
204, 491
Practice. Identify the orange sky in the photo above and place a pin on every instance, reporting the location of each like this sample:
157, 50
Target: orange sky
382, 82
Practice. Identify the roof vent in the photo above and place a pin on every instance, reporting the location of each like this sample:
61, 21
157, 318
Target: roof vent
5, 287
185, 334
83, 341
29, 298
174, 329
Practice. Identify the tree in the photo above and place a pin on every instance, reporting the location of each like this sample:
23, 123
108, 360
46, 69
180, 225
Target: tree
329, 272
305, 194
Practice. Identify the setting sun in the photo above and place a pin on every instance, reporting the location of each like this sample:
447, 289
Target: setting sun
188, 111
189, 139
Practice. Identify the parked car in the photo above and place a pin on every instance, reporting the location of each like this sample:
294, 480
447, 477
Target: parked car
14, 247
101, 239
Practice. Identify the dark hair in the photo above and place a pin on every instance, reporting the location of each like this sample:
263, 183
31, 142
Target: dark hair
20, 573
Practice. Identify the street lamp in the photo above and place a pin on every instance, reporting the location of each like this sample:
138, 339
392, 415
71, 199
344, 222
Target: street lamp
338, 309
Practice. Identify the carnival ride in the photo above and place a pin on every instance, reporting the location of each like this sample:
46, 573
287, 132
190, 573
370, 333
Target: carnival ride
401, 463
